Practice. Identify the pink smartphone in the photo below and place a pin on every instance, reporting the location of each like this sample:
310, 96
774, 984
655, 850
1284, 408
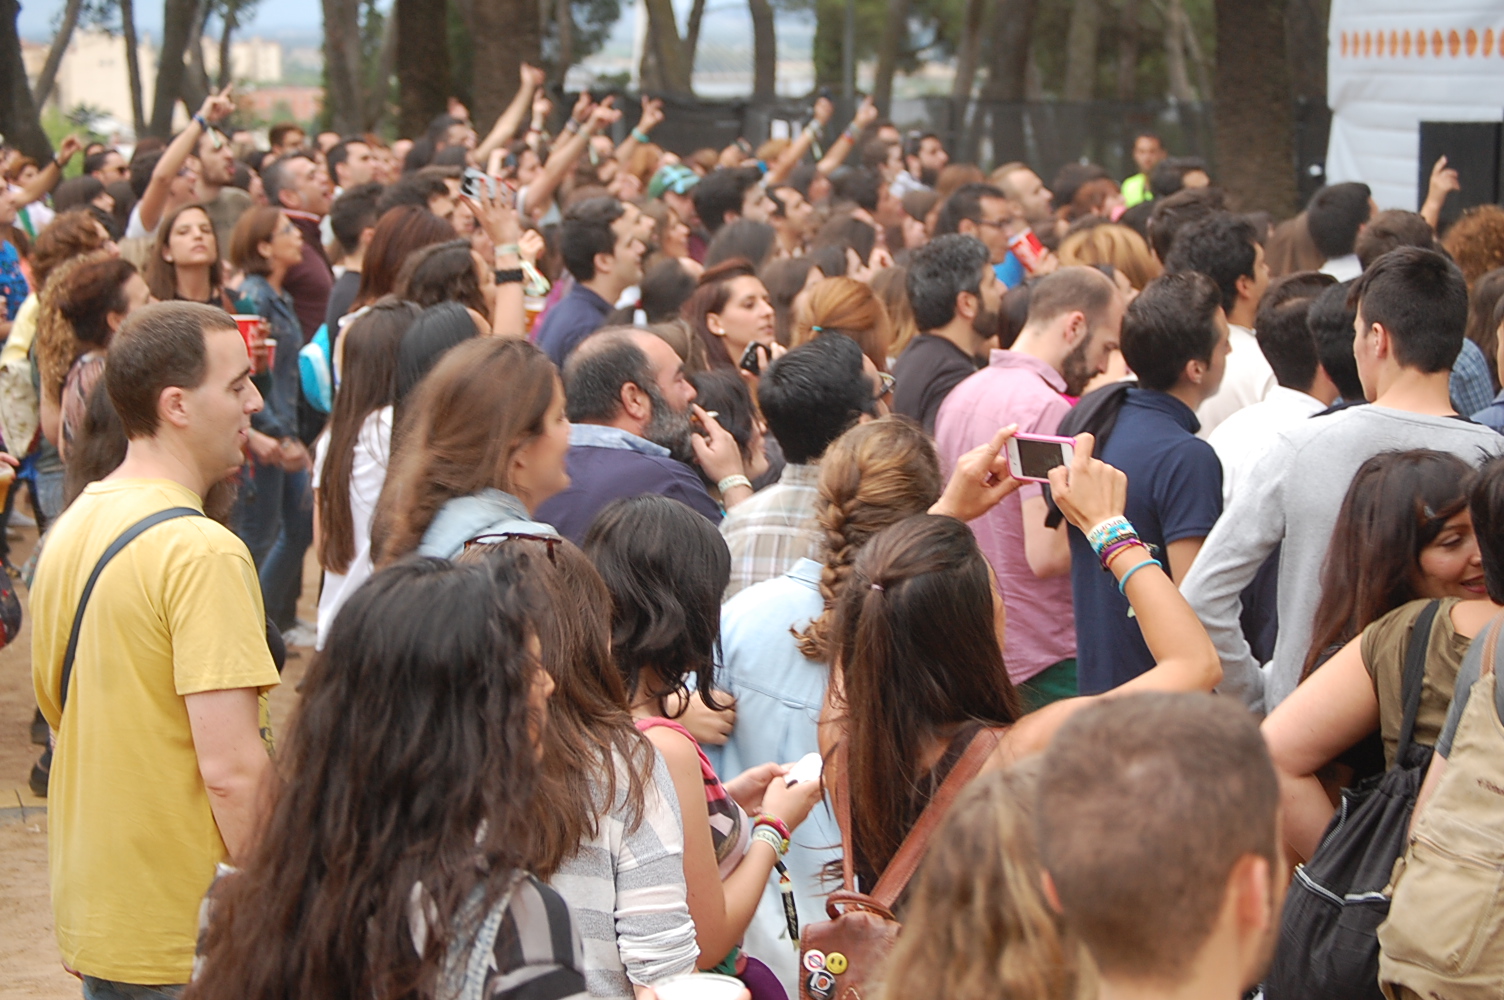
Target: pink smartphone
1032, 456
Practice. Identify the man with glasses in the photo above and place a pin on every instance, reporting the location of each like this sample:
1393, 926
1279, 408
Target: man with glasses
1074, 320
983, 211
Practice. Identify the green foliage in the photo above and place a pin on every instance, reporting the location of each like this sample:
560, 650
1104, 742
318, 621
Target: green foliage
593, 21
1052, 25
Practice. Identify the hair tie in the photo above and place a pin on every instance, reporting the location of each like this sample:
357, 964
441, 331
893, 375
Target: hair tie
877, 587
821, 329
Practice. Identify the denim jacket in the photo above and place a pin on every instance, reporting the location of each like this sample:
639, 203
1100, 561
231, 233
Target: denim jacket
279, 417
489, 512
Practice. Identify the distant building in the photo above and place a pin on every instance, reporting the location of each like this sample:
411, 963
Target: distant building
252, 60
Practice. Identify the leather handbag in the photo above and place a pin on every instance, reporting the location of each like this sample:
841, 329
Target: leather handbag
841, 958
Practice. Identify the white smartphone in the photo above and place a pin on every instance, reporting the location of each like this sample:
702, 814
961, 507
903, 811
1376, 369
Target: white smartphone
807, 769
1032, 456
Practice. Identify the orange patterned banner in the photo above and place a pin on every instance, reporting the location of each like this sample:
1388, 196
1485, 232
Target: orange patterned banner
1474, 42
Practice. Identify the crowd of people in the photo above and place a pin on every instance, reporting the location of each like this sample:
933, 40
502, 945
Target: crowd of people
637, 481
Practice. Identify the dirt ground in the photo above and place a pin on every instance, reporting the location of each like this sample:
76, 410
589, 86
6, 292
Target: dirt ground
30, 965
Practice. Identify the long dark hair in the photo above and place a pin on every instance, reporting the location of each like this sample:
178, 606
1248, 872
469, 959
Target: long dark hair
367, 382
711, 296
1395, 506
666, 567
443, 272
410, 761
590, 732
917, 651
397, 234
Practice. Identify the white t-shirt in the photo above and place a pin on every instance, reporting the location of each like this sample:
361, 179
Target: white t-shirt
133, 227
1242, 438
373, 447
1248, 379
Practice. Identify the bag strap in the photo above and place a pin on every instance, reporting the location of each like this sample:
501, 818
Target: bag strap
1491, 647
905, 861
1415, 674
126, 537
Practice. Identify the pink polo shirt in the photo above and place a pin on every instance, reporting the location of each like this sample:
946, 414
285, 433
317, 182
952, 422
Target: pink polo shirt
1014, 388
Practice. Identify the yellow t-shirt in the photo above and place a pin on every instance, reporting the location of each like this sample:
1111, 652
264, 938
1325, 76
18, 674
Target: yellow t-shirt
132, 842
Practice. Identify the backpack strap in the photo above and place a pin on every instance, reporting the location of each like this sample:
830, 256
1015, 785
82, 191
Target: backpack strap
126, 537
1490, 648
1415, 674
895, 877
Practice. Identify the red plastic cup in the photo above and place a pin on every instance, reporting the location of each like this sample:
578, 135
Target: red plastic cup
249, 327
1027, 248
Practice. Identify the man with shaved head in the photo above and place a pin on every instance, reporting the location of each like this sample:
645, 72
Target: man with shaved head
632, 408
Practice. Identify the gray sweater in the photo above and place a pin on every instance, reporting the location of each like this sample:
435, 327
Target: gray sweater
1292, 496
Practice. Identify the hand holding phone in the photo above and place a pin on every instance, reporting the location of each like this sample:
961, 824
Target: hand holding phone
1088, 491
1032, 456
808, 768
981, 480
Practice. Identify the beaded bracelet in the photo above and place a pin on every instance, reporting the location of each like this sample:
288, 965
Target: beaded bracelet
1106, 554
769, 836
778, 825
1123, 583
1097, 536
732, 482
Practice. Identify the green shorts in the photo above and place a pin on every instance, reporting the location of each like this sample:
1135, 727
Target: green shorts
1052, 684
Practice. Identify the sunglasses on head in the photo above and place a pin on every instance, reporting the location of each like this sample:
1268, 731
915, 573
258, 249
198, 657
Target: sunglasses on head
506, 536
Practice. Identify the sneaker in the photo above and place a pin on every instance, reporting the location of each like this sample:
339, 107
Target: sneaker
39, 729
301, 634
39, 774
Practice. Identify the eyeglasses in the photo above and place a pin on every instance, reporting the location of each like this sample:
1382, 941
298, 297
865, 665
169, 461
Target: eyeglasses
888, 382
994, 223
506, 536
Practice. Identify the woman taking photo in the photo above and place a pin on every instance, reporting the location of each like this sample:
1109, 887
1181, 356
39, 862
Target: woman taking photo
480, 445
666, 568
349, 893
275, 507
1424, 550
350, 462
610, 841
917, 642
185, 260
730, 310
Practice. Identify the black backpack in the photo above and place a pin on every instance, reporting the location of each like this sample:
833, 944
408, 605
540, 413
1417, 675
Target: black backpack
1328, 940
1095, 413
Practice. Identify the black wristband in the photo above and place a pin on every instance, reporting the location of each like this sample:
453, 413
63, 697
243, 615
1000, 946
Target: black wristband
510, 276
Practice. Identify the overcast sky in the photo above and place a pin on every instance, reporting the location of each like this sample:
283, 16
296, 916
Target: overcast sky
37, 17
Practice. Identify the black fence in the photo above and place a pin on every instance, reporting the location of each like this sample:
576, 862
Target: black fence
1045, 134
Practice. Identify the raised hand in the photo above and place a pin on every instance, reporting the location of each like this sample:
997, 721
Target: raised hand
531, 77
866, 114
981, 479
219, 105
583, 105
604, 115
69, 148
1088, 491
652, 114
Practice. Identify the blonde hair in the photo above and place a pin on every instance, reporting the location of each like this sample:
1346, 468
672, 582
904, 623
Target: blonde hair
891, 286
873, 476
977, 925
845, 305
1112, 244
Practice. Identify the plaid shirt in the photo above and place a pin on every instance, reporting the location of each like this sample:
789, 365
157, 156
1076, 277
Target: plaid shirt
773, 529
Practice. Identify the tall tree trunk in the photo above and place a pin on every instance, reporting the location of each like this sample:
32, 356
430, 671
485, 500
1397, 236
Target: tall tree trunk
895, 33
692, 38
507, 34
1305, 41
19, 121
422, 65
966, 69
673, 69
1081, 51
827, 47
133, 64
226, 73
1012, 32
1177, 27
177, 20
764, 52
564, 21
195, 76
342, 65
1251, 106
378, 90
1127, 82
55, 54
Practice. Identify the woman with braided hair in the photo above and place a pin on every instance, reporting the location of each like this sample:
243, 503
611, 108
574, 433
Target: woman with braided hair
774, 634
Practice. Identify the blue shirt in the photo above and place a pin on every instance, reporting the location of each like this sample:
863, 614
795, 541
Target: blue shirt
577, 316
13, 287
1471, 384
607, 463
1174, 492
1492, 415
1010, 272
778, 698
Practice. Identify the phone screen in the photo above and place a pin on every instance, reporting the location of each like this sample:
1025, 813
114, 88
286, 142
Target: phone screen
1037, 458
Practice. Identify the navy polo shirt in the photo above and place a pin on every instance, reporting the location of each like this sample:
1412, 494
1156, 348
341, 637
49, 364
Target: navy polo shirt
1174, 492
577, 316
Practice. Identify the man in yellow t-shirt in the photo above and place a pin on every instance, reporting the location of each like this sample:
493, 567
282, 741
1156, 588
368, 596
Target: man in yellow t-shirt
160, 757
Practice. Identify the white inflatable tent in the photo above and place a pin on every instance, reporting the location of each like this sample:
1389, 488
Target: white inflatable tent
1392, 64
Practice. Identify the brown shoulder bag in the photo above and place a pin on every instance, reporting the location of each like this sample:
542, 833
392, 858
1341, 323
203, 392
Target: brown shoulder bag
840, 958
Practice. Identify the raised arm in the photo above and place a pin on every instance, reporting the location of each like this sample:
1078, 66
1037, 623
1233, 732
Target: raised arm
841, 148
587, 119
652, 116
1444, 181
498, 217
49, 176
789, 159
1090, 492
154, 200
530, 79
